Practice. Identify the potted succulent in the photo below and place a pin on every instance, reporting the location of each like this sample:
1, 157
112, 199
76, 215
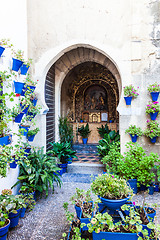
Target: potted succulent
84, 132
129, 93
113, 191
134, 132
152, 131
17, 59
154, 90
31, 134
153, 109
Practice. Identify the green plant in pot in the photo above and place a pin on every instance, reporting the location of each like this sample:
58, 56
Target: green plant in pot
84, 132
129, 93
5, 157
103, 130
134, 132
152, 131
65, 130
31, 134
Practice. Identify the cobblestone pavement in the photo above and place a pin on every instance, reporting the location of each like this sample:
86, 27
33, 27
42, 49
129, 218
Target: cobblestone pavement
47, 220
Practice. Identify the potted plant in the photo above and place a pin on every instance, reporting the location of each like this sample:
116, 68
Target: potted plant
103, 130
152, 131
5, 155
129, 93
17, 113
32, 112
29, 87
65, 130
33, 98
3, 44
62, 151
4, 225
84, 132
153, 109
31, 134
5, 137
134, 132
113, 191
17, 59
154, 90
25, 66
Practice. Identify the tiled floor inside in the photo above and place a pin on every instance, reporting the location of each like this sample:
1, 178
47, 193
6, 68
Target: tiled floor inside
87, 158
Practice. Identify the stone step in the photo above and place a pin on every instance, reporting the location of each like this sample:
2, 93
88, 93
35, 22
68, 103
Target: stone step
85, 148
85, 168
78, 177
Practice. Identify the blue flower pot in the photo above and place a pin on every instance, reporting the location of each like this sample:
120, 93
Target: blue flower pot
4, 140
154, 96
16, 64
13, 164
78, 211
18, 118
153, 140
22, 213
156, 187
134, 138
18, 87
31, 138
4, 231
153, 115
24, 130
133, 185
70, 160
1, 50
30, 116
85, 220
24, 108
84, 140
114, 204
128, 100
114, 236
151, 190
24, 69
151, 215
14, 218
27, 150
63, 166
34, 102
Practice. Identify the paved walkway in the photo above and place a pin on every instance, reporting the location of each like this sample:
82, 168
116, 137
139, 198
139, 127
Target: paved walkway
47, 220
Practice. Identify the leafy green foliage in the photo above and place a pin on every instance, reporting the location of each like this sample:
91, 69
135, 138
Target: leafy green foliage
152, 130
65, 130
106, 143
103, 130
153, 107
62, 151
155, 87
39, 171
133, 130
33, 132
84, 131
130, 91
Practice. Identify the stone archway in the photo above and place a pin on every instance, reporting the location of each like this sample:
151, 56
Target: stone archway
62, 68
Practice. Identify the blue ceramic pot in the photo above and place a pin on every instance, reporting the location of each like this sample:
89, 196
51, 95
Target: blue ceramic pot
16, 64
18, 118
1, 50
78, 211
24, 69
34, 102
128, 100
133, 185
84, 140
24, 130
30, 116
18, 87
24, 108
14, 218
31, 138
85, 220
63, 166
22, 213
134, 138
153, 116
4, 140
153, 140
114, 236
154, 96
151, 190
150, 215
114, 204
4, 231
13, 164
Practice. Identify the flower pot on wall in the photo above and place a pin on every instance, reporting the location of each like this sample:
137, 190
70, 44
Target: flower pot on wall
18, 118
16, 64
134, 138
1, 50
128, 100
34, 102
153, 140
154, 96
24, 69
153, 115
4, 140
24, 130
13, 164
4, 231
84, 140
18, 87
24, 109
31, 138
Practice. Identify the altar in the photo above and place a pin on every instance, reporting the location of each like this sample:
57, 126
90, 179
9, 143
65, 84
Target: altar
94, 136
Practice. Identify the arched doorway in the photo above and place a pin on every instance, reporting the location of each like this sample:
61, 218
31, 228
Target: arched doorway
105, 75
90, 93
